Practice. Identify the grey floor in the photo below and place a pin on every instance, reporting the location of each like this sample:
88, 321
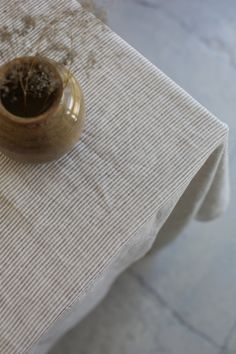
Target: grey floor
183, 299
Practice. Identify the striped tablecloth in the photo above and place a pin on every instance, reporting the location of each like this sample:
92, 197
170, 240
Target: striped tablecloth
150, 159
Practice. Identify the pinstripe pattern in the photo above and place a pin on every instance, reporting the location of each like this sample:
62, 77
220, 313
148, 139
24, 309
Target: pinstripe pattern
62, 224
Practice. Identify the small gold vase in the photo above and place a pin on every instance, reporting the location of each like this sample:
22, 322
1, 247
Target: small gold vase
52, 133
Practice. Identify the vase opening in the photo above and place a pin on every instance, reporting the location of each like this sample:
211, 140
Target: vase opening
30, 86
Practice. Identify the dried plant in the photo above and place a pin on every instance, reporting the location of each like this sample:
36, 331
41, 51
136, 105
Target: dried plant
29, 89
99, 11
38, 36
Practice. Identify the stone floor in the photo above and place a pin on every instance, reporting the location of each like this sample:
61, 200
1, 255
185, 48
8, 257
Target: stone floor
183, 299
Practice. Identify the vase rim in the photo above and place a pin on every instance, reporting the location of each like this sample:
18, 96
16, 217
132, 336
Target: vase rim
53, 65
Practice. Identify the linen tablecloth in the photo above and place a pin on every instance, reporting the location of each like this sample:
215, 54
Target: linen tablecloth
150, 159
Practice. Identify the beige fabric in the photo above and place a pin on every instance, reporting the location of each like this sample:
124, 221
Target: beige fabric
68, 228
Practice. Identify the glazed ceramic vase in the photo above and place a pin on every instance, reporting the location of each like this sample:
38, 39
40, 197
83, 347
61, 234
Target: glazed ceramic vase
44, 133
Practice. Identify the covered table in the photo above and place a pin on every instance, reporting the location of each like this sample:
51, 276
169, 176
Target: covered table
150, 159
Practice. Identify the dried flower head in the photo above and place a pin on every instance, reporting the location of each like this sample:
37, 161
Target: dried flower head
99, 11
5, 34
29, 21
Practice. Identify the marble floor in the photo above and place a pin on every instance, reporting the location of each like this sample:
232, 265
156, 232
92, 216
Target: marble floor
183, 299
